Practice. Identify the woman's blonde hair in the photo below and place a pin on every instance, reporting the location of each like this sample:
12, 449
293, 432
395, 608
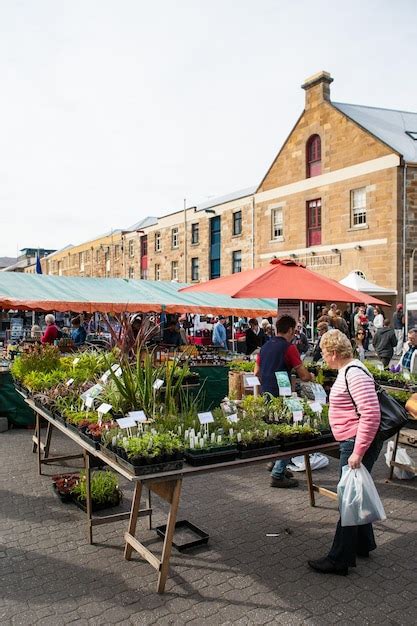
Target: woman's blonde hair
336, 341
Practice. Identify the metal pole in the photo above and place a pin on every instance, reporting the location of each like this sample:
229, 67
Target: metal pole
411, 272
185, 240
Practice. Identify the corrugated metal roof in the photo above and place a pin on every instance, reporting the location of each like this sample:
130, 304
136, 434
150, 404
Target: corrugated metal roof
5, 261
143, 223
386, 124
235, 195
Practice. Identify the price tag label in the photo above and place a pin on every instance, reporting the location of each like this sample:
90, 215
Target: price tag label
319, 393
104, 408
114, 367
105, 376
297, 416
252, 381
75, 361
94, 392
284, 384
232, 418
118, 372
138, 416
69, 382
406, 375
89, 402
158, 384
126, 422
316, 407
206, 418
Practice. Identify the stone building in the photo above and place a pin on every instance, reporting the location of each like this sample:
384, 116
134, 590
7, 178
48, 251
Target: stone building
340, 196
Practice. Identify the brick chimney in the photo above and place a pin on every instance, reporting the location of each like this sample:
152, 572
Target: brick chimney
317, 89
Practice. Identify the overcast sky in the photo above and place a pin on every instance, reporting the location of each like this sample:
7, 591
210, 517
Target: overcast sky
112, 110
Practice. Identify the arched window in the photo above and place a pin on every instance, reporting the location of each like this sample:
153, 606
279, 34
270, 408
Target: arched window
313, 156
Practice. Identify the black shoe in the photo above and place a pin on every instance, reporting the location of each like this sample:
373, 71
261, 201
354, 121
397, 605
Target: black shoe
270, 467
284, 483
326, 566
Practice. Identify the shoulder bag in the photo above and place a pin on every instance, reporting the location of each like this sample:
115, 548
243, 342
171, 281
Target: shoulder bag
393, 415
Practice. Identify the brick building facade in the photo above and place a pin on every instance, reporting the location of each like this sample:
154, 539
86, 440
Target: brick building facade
333, 198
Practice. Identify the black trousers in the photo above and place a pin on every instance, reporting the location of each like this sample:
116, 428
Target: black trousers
350, 541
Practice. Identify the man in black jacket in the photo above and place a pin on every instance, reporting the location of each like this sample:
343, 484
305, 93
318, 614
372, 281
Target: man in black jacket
384, 342
255, 336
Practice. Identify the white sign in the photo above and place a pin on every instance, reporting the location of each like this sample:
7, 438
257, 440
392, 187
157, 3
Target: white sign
158, 384
105, 376
406, 375
69, 382
206, 418
319, 393
115, 367
252, 381
126, 422
94, 392
232, 418
89, 402
316, 407
118, 372
138, 416
297, 416
284, 384
104, 408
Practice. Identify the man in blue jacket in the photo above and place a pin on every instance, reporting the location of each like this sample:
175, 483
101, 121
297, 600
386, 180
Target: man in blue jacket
219, 333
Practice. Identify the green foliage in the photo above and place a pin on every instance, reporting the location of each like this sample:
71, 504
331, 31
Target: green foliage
104, 488
39, 359
149, 445
39, 381
241, 366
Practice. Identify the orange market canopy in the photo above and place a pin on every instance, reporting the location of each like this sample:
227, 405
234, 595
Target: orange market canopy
39, 292
283, 279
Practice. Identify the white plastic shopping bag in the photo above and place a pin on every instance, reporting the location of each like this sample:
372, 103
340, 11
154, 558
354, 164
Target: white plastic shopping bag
317, 461
359, 502
400, 457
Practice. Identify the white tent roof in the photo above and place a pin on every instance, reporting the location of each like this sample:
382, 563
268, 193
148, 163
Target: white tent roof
355, 281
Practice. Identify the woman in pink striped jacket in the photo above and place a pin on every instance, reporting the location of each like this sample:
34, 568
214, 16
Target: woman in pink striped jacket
354, 416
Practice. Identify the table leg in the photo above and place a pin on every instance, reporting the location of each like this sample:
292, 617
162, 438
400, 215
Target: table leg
166, 550
38, 445
149, 507
88, 496
133, 518
309, 480
47, 440
394, 455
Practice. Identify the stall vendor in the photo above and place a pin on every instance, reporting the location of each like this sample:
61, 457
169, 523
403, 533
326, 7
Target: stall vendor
171, 336
219, 338
78, 332
52, 331
279, 355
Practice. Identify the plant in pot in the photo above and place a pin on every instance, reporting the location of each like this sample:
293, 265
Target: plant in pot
205, 448
105, 491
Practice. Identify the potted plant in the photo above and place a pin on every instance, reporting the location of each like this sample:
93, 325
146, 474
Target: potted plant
105, 491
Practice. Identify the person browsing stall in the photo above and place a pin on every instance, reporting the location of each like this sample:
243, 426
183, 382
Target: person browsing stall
52, 331
78, 332
255, 336
354, 416
279, 355
219, 338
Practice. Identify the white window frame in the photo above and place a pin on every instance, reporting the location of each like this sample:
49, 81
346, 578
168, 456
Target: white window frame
157, 271
158, 246
234, 259
277, 225
358, 208
131, 272
81, 260
174, 270
195, 266
131, 248
175, 239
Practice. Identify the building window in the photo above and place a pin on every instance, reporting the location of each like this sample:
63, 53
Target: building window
276, 223
358, 207
195, 232
237, 261
158, 242
313, 156
131, 272
174, 238
116, 251
131, 247
237, 223
97, 255
59, 268
157, 272
194, 269
107, 261
81, 261
314, 222
174, 270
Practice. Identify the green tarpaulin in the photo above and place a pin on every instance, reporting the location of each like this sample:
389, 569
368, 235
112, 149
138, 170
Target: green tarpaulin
117, 295
12, 404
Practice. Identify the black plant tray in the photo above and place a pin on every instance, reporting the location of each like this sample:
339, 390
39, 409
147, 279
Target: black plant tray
300, 443
245, 453
203, 537
96, 507
89, 440
150, 468
197, 458
64, 497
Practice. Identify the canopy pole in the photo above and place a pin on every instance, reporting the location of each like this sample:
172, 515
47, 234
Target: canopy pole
233, 334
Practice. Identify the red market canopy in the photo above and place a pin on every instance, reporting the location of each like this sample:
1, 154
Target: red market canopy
283, 279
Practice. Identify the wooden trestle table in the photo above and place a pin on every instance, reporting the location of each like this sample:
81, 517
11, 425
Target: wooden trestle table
167, 485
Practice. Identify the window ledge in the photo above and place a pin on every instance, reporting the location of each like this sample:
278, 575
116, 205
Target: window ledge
277, 240
197, 243
238, 235
359, 227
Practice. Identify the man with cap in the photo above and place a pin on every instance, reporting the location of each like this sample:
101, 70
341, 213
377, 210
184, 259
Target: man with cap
219, 333
398, 324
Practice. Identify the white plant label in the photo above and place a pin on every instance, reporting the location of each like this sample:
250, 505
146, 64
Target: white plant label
75, 361
319, 393
283, 382
69, 382
138, 416
105, 376
406, 375
114, 367
158, 384
252, 381
118, 372
126, 422
89, 402
232, 418
93, 392
206, 418
104, 408
297, 416
316, 407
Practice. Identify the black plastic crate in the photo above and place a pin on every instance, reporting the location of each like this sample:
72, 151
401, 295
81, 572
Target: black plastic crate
201, 536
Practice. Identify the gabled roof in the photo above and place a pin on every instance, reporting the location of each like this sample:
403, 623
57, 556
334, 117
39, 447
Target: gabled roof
389, 125
143, 223
5, 261
235, 195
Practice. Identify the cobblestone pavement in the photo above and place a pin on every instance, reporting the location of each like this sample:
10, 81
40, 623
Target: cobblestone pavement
51, 575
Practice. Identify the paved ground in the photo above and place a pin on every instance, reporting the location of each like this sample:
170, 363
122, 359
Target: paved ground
50, 575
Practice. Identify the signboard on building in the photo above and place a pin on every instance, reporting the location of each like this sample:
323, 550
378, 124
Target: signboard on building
288, 307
